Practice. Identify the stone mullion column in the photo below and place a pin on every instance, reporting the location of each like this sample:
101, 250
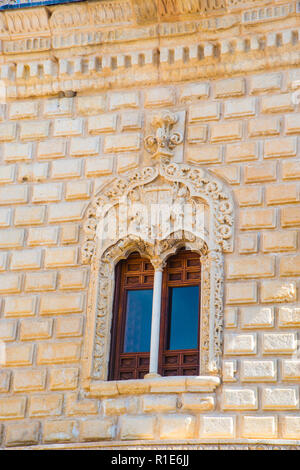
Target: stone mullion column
156, 316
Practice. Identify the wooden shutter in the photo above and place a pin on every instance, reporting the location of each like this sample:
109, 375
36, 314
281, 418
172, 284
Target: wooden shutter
135, 273
183, 269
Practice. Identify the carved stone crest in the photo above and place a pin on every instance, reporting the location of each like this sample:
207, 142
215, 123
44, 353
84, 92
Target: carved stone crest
161, 144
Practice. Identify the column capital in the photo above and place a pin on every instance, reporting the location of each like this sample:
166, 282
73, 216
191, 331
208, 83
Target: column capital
158, 263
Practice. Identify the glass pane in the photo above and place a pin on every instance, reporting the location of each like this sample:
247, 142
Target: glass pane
138, 321
183, 317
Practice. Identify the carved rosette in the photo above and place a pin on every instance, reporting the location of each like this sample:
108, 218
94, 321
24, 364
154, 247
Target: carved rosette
201, 186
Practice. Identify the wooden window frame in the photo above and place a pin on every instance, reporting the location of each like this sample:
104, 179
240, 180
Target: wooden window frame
119, 318
165, 315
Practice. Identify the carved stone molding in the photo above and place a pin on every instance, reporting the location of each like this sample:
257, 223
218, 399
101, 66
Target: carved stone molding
103, 73
91, 14
164, 183
69, 16
25, 22
134, 55
200, 184
169, 8
88, 24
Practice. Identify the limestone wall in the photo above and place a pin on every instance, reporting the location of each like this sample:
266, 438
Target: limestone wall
66, 128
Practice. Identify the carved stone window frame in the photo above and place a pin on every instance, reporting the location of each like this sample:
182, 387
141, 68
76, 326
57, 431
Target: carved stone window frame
218, 199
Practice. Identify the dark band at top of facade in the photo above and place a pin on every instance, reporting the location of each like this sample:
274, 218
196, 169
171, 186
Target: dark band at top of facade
12, 4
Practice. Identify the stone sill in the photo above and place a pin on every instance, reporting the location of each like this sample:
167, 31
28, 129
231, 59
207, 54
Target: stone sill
154, 385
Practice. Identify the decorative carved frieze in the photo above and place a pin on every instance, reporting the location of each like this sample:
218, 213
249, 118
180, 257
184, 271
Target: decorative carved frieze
69, 16
3, 25
26, 22
169, 8
125, 12
90, 15
131, 22
145, 11
104, 13
174, 16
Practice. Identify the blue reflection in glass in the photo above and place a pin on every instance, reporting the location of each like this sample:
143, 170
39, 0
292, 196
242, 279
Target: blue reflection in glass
138, 321
184, 317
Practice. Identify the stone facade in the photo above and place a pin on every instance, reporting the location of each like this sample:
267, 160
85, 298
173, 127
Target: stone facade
80, 86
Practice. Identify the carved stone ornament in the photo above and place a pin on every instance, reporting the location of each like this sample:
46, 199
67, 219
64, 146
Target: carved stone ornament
118, 36
165, 184
164, 141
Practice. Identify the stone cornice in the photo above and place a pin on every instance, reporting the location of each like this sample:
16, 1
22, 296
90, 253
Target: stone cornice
103, 45
103, 16
89, 15
54, 76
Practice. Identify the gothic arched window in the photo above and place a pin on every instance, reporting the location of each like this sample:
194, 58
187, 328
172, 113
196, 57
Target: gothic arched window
116, 344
